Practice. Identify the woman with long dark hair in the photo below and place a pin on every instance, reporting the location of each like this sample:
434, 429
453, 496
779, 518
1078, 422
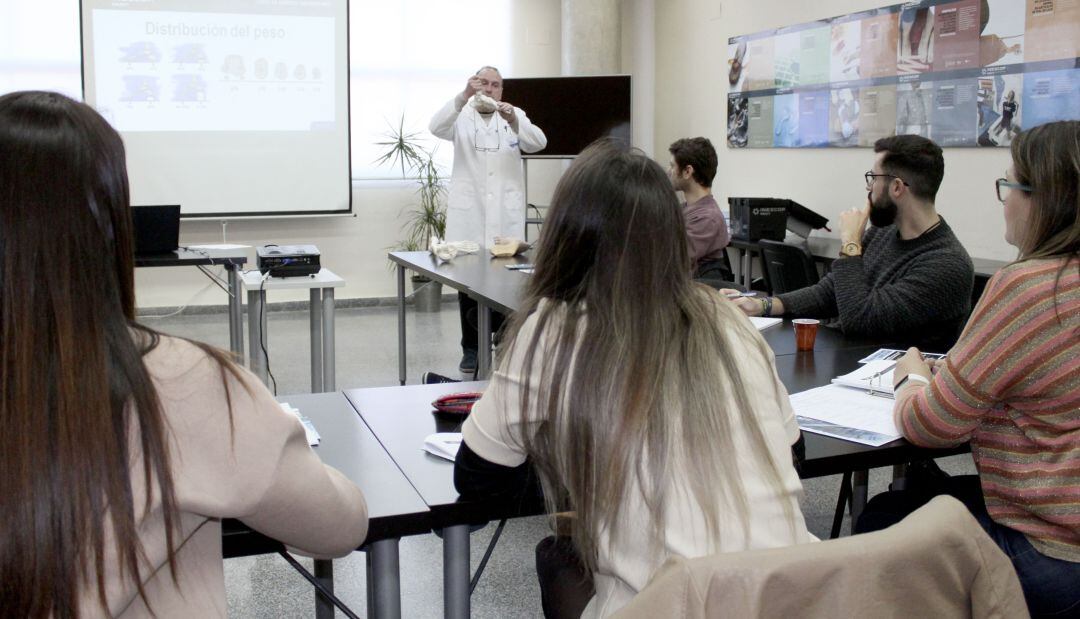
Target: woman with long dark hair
648, 404
1011, 385
122, 448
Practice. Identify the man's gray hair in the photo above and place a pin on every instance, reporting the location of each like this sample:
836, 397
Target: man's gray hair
486, 67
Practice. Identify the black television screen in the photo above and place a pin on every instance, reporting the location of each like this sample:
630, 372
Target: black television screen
573, 112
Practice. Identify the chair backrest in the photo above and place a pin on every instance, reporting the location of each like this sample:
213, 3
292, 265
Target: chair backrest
787, 267
937, 562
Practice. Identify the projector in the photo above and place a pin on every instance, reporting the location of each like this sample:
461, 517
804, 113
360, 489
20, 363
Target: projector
288, 260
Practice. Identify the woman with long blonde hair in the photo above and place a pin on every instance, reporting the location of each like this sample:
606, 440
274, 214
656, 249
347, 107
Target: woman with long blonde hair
648, 404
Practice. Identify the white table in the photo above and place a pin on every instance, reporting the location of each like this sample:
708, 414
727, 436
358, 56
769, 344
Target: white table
321, 310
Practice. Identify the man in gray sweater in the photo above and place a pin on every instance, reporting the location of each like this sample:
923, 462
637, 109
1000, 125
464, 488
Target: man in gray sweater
906, 279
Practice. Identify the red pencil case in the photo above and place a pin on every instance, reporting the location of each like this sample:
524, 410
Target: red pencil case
457, 403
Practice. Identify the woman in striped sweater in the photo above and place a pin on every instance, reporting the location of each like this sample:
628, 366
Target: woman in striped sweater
1011, 385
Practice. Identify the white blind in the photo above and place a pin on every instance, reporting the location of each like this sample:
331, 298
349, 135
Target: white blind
406, 57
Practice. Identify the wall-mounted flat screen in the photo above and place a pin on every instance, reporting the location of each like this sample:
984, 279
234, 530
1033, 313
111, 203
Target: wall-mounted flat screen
573, 112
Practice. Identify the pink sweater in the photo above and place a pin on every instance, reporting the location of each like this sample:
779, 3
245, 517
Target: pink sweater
1011, 386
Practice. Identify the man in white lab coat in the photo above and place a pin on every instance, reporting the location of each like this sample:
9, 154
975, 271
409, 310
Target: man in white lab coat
487, 186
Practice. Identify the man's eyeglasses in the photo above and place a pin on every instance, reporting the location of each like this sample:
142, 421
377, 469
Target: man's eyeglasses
870, 176
1002, 182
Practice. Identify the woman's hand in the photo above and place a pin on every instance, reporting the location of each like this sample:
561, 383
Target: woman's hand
911, 363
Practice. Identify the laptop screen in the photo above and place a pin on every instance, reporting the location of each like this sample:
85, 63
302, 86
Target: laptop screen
156, 228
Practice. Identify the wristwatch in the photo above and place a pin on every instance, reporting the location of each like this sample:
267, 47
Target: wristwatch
851, 249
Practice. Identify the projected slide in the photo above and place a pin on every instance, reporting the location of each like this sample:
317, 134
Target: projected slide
175, 71
961, 72
227, 107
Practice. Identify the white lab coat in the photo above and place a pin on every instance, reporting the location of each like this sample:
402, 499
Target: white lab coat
487, 187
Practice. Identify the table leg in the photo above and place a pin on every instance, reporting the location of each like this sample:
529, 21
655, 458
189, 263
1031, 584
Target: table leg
456, 572
329, 377
256, 334
401, 323
859, 482
483, 361
324, 573
383, 580
747, 270
315, 315
236, 312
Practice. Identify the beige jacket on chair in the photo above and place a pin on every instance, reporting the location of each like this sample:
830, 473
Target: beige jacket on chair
937, 562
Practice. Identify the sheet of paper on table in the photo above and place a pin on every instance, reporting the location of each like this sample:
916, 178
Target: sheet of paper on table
843, 412
761, 323
312, 434
443, 444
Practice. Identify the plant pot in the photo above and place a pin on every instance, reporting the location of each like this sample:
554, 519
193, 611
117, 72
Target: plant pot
427, 294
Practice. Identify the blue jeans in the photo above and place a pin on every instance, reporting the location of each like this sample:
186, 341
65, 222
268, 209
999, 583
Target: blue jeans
1051, 586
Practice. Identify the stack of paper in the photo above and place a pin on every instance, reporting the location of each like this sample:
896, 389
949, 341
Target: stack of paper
761, 323
443, 444
313, 437
873, 376
846, 413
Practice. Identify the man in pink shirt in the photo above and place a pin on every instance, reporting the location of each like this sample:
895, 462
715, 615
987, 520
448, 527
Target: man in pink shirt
692, 168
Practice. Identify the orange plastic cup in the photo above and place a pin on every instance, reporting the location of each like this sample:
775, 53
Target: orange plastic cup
805, 333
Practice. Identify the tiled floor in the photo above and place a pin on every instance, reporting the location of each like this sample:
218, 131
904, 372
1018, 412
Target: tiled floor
367, 357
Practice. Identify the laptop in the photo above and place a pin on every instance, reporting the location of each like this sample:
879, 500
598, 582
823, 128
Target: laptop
156, 228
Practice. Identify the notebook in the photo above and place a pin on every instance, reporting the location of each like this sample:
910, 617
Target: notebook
156, 228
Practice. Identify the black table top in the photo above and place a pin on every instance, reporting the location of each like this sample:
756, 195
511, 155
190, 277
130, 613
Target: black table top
184, 257
826, 455
401, 417
781, 339
468, 272
394, 508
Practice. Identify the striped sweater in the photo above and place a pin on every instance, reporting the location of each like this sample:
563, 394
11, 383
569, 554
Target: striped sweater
1011, 386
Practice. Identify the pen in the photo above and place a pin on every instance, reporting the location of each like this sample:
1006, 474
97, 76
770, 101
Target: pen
520, 267
735, 295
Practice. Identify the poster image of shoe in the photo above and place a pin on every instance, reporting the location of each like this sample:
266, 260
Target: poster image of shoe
1050, 96
814, 55
913, 103
786, 52
141, 89
737, 121
736, 59
233, 67
189, 89
877, 113
760, 66
1001, 39
999, 98
956, 36
844, 44
813, 119
844, 116
141, 52
759, 113
954, 113
915, 41
877, 45
190, 53
786, 121
1052, 30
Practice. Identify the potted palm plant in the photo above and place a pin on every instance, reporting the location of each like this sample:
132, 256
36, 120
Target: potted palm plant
426, 217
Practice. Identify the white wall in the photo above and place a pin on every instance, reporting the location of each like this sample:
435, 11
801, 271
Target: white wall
355, 247
691, 90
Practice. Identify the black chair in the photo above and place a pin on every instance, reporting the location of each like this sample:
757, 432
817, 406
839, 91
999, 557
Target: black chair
787, 267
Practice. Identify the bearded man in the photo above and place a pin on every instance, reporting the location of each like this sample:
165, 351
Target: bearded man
906, 279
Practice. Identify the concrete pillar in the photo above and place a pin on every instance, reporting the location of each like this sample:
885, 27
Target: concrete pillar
590, 37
